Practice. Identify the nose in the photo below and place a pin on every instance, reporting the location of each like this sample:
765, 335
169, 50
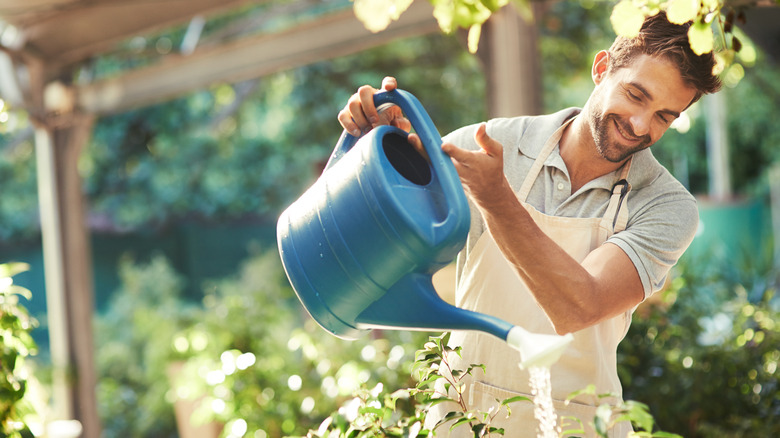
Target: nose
640, 124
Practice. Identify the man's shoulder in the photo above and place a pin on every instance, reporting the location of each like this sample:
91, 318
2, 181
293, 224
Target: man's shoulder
528, 133
648, 174
511, 131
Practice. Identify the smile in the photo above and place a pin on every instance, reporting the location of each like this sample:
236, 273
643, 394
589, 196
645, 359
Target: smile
624, 134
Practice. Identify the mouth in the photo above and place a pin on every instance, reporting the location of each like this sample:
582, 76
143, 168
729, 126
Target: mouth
630, 138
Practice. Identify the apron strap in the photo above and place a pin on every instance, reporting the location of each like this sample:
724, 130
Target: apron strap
533, 172
616, 217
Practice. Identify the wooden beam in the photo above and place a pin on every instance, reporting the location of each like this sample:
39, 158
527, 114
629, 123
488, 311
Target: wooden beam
338, 34
75, 31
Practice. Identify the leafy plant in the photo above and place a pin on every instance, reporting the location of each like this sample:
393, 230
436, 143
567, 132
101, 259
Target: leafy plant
375, 413
713, 336
17, 344
134, 337
259, 365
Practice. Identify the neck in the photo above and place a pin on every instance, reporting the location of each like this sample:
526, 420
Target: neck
578, 151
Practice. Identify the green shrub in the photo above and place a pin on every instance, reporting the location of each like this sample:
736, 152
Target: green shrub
133, 338
706, 361
262, 367
17, 344
252, 358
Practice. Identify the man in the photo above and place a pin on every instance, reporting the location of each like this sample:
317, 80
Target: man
574, 222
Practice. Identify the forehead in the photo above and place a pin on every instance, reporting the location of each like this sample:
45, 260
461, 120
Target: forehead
661, 78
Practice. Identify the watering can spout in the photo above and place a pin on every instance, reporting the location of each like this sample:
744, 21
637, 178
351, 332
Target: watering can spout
413, 304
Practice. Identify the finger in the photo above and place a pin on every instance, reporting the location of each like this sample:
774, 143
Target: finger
345, 119
454, 152
402, 123
487, 143
389, 83
366, 95
357, 112
416, 143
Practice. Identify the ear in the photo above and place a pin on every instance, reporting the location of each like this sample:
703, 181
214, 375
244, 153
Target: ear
600, 65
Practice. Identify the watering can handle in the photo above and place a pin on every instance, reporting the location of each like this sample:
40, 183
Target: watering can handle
431, 141
414, 111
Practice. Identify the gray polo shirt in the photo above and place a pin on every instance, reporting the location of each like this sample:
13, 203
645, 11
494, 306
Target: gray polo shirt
663, 216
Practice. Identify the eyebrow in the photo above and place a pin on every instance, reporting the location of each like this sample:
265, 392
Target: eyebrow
647, 94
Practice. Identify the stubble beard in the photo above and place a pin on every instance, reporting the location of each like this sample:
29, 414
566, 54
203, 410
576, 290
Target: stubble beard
610, 149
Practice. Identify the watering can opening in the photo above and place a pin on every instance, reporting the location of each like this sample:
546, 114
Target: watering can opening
406, 160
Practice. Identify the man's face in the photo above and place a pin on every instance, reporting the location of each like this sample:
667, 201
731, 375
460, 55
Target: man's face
632, 107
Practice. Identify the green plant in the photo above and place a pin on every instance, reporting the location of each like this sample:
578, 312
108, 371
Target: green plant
259, 365
714, 338
375, 413
133, 338
17, 344
431, 365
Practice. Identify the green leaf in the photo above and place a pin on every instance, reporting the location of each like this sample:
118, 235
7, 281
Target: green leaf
666, 435
11, 269
627, 19
701, 38
682, 11
515, 399
588, 390
473, 39
376, 15
439, 400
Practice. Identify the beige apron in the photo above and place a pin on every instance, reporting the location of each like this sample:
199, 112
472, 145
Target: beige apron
490, 285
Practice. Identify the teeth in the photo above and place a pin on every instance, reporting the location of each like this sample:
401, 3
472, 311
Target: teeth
623, 133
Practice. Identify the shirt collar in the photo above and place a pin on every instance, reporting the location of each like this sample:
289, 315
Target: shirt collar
644, 168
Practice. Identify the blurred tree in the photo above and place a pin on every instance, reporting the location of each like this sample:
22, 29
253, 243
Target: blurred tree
245, 150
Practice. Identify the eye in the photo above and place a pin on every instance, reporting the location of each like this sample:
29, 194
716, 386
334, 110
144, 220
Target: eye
666, 118
633, 96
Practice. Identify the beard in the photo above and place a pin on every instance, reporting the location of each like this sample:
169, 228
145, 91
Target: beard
610, 148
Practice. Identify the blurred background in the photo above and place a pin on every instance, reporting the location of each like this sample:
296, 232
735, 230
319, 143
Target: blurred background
147, 148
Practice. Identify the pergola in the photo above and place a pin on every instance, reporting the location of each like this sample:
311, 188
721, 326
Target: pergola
44, 42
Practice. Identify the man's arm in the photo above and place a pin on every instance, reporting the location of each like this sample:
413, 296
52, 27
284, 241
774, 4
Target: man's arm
573, 295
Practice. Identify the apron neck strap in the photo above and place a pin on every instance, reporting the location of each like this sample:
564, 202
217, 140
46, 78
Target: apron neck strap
548, 147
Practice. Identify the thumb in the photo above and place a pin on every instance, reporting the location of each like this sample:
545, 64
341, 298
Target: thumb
490, 146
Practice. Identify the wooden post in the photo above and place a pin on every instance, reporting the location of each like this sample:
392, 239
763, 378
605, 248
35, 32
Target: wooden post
717, 148
59, 139
509, 54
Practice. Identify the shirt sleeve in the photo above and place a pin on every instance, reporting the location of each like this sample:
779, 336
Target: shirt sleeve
657, 236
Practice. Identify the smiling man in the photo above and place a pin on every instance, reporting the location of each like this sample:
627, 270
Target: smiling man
574, 222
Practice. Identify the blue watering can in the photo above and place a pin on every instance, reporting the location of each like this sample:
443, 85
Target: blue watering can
361, 245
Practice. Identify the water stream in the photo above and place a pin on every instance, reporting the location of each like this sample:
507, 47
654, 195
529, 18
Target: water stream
544, 412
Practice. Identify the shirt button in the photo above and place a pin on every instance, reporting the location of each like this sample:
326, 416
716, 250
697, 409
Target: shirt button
561, 186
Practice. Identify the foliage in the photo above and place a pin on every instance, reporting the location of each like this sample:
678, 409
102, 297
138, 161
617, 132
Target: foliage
432, 364
233, 151
133, 339
376, 15
627, 18
252, 359
17, 344
375, 413
249, 149
713, 337
299, 372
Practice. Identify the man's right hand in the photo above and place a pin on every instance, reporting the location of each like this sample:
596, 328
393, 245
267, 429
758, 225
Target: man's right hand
360, 115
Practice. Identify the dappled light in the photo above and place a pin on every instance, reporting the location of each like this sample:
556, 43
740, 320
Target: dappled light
195, 322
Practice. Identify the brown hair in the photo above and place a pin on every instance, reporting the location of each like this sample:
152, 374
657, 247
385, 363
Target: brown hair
659, 37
